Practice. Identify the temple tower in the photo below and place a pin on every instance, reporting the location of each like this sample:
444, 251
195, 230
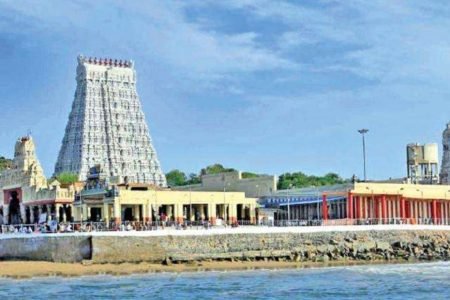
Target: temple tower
445, 169
107, 126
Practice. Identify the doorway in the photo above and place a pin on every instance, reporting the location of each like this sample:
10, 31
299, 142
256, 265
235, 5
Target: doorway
96, 214
14, 208
128, 214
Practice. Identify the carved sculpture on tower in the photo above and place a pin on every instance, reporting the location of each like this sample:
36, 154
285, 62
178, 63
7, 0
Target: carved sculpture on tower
107, 126
445, 170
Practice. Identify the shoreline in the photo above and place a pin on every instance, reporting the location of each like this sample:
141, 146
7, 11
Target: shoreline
36, 269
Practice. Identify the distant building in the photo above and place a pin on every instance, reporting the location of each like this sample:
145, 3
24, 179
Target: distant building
363, 203
422, 163
234, 182
107, 126
149, 203
445, 169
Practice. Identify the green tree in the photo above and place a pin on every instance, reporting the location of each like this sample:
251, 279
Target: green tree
176, 178
249, 175
215, 169
299, 180
67, 178
194, 179
5, 163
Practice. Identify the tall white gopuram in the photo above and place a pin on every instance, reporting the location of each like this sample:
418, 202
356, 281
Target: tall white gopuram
445, 169
107, 126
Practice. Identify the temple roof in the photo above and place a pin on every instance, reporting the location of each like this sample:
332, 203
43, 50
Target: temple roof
105, 61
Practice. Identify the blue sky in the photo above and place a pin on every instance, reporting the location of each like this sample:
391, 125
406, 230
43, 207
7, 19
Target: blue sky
260, 85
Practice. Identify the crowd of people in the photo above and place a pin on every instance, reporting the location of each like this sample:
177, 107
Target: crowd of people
52, 226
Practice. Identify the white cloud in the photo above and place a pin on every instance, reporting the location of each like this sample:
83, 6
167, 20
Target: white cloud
383, 40
157, 28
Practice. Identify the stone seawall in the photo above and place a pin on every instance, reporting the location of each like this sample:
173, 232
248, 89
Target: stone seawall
314, 247
281, 246
68, 249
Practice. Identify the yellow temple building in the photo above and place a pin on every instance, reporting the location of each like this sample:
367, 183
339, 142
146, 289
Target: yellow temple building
27, 197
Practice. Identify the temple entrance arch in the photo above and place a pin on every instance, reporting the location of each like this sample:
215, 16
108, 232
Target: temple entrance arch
14, 208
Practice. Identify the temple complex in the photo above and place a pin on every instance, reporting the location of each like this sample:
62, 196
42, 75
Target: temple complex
25, 195
364, 202
148, 203
107, 146
107, 126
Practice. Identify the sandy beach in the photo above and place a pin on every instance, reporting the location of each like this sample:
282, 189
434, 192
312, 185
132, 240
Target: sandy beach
29, 269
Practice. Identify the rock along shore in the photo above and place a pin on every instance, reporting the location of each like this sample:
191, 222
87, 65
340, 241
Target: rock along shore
279, 245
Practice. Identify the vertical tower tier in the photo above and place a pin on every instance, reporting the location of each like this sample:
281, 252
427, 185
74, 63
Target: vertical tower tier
107, 126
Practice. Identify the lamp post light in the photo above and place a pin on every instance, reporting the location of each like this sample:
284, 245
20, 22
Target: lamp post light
363, 132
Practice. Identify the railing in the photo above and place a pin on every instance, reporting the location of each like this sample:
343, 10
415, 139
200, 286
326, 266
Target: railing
53, 227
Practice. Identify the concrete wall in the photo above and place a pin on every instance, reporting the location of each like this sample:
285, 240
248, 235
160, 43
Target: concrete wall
233, 182
46, 248
313, 246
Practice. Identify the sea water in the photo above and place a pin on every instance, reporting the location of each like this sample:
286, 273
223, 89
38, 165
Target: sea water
404, 281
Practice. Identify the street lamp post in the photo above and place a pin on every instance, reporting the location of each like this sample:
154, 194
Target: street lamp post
363, 132
289, 204
224, 205
288, 208
190, 205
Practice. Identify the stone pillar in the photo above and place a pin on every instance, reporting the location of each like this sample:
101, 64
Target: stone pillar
57, 207
84, 212
117, 212
388, 209
39, 213
253, 214
32, 215
49, 211
150, 212
169, 212
105, 212
212, 213
434, 211
383, 208
364, 207
201, 209
6, 214
350, 206
88, 212
417, 212
233, 213
23, 213
179, 213
324, 207
65, 208
424, 209
145, 212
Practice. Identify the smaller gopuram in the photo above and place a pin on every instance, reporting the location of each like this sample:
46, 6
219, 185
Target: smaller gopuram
445, 166
25, 195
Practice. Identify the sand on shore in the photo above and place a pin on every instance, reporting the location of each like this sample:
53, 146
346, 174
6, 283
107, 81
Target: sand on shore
29, 269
